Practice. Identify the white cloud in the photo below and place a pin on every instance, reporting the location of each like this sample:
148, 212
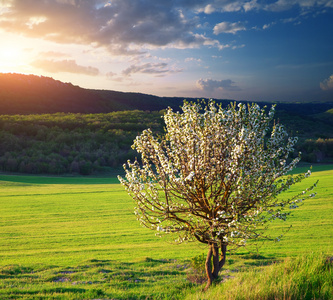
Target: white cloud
327, 84
210, 6
193, 59
233, 6
227, 27
280, 5
283, 5
209, 9
238, 47
210, 85
251, 5
122, 26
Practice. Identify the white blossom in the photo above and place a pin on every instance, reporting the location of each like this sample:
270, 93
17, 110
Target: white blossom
215, 175
190, 176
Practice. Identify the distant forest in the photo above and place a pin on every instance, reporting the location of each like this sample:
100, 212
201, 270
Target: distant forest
44, 133
71, 143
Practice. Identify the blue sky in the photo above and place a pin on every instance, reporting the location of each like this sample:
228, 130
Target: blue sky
243, 50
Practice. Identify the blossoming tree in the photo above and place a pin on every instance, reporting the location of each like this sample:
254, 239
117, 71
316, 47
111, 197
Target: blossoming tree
214, 176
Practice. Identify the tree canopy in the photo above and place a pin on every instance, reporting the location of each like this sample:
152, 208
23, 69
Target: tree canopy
215, 176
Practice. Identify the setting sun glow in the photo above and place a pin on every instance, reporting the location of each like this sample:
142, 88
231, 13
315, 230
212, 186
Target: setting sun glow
11, 59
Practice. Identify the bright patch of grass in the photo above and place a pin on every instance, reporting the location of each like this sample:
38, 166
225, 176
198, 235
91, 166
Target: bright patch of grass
65, 224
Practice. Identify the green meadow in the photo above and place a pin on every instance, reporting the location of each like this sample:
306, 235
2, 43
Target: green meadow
78, 238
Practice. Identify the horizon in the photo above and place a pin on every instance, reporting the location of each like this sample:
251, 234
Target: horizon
239, 50
329, 101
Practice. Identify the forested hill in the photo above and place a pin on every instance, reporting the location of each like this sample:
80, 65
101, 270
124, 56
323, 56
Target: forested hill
30, 94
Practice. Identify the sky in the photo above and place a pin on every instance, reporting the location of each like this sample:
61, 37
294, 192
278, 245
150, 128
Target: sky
275, 50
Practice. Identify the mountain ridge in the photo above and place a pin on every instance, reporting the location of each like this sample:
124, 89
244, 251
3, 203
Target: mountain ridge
32, 94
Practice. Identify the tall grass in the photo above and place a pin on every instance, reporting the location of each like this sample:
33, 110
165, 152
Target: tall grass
303, 278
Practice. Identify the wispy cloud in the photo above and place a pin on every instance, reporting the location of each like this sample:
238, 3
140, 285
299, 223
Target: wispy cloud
209, 7
251, 5
238, 46
227, 27
283, 5
53, 54
158, 69
266, 26
67, 66
114, 76
193, 59
210, 85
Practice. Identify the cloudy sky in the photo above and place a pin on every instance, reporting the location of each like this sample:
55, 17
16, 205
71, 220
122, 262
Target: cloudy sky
244, 50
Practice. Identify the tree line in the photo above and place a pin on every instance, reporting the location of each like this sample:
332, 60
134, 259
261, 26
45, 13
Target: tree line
316, 150
69, 143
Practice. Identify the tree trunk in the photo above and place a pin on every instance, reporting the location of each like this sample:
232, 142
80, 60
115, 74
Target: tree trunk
216, 265
208, 266
212, 274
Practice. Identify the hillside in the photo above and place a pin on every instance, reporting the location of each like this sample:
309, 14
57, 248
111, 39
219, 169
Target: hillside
30, 94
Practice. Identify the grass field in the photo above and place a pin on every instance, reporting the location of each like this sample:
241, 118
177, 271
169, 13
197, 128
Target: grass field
77, 238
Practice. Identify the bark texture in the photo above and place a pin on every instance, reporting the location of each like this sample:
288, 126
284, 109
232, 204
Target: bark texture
214, 266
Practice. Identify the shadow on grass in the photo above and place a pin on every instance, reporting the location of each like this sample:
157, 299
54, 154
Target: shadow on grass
95, 279
255, 260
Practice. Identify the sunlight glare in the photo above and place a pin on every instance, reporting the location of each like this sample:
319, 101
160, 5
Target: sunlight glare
11, 59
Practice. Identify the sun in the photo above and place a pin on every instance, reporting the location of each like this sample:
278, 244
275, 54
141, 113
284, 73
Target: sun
11, 59
9, 53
